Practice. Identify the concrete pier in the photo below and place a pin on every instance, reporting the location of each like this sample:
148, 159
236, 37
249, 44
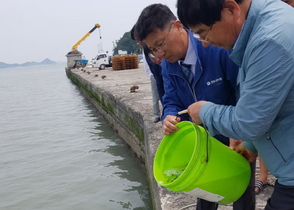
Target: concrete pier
130, 115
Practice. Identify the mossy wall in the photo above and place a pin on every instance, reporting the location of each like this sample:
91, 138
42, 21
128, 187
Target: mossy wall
127, 123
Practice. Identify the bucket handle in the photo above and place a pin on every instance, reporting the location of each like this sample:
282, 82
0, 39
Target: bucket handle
207, 136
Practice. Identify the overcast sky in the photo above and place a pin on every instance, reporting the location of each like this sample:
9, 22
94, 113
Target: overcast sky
33, 30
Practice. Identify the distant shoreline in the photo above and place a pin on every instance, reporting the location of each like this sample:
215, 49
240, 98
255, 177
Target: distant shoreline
46, 61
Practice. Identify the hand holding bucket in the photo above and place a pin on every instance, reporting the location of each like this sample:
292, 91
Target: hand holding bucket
193, 162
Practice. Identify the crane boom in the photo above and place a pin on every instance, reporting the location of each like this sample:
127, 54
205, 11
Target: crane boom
75, 46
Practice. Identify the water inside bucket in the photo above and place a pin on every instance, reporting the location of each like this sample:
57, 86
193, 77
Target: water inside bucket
174, 173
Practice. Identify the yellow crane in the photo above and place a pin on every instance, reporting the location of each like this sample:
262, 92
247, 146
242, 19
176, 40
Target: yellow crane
75, 46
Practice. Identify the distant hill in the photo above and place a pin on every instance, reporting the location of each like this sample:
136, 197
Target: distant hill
33, 63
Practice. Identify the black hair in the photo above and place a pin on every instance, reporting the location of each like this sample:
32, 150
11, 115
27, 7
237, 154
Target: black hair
195, 12
153, 17
133, 31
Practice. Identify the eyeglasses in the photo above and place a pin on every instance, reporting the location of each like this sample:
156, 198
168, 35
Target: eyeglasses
206, 37
162, 46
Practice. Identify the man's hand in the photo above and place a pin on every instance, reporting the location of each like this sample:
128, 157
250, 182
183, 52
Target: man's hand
234, 143
250, 156
169, 123
194, 110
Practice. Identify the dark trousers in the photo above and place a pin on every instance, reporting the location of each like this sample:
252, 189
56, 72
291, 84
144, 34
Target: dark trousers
282, 198
245, 202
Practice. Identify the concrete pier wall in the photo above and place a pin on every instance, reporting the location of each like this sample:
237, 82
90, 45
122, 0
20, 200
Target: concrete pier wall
127, 122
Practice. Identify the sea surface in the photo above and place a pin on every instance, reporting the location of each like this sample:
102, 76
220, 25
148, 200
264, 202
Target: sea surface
57, 152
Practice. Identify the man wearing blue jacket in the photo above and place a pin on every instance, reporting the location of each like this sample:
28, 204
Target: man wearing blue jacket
261, 35
211, 76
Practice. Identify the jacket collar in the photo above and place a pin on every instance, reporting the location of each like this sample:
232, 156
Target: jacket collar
175, 69
244, 36
191, 57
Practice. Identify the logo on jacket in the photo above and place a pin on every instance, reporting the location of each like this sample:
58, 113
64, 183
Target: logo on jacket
214, 81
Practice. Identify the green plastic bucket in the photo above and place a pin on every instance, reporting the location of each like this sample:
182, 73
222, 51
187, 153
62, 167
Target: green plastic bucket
191, 161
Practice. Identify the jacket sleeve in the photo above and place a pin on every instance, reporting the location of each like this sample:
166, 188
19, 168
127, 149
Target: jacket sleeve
265, 82
230, 69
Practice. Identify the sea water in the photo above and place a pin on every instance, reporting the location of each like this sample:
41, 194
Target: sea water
57, 152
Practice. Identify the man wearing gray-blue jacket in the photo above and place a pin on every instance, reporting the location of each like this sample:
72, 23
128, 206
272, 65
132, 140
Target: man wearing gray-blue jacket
260, 32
